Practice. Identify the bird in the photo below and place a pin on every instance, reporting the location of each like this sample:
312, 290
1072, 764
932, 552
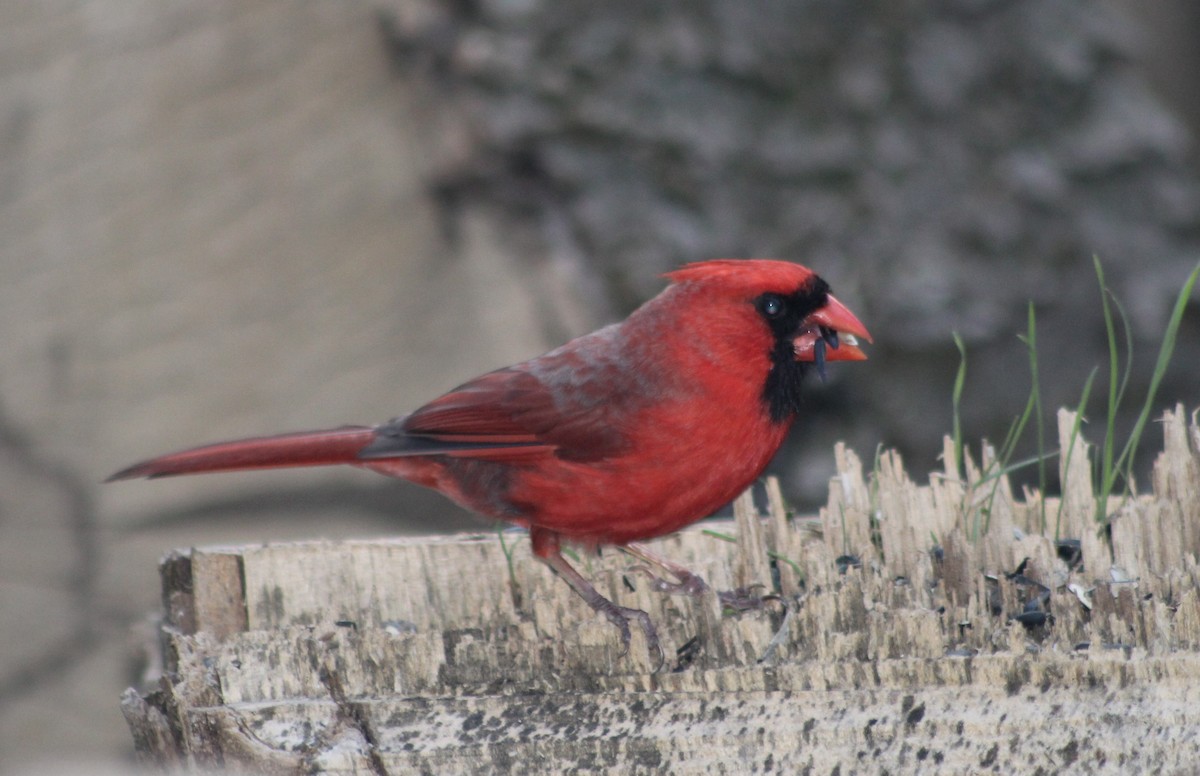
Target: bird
625, 434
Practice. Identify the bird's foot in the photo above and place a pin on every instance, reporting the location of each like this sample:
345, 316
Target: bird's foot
688, 584
545, 546
743, 599
621, 616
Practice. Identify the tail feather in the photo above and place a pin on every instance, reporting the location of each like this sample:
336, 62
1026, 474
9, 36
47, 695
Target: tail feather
306, 448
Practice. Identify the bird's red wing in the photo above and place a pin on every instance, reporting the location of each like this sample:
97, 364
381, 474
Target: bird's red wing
490, 408
504, 415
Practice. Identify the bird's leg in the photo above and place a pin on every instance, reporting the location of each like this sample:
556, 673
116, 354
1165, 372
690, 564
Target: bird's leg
546, 547
690, 583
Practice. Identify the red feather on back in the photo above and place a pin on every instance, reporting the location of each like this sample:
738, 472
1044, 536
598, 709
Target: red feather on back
487, 409
568, 401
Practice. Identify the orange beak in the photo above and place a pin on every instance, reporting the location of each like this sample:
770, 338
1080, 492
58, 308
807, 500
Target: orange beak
831, 334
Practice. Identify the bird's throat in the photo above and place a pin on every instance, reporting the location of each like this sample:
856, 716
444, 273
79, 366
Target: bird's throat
781, 393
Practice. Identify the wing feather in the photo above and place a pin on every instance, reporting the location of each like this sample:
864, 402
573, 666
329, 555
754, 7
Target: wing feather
564, 403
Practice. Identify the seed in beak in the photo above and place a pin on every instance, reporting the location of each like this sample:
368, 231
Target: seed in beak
830, 336
819, 355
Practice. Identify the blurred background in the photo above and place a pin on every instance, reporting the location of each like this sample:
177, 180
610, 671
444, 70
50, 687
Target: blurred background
228, 218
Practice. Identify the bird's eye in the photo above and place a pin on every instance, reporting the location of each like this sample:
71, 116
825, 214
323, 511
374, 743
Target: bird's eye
771, 306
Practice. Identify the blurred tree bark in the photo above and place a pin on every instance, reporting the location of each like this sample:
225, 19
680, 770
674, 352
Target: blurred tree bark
946, 162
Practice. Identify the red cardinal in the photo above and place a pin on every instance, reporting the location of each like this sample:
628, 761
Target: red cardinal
627, 433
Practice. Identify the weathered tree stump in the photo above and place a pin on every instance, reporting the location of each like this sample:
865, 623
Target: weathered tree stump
935, 628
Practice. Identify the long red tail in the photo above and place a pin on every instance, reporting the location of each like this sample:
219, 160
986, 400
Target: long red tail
306, 448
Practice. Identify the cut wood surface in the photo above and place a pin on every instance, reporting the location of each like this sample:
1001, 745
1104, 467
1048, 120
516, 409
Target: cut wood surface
940, 628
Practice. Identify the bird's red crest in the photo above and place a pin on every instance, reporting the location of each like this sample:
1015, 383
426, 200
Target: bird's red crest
750, 274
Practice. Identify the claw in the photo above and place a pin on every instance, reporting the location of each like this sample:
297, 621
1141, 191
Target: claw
621, 616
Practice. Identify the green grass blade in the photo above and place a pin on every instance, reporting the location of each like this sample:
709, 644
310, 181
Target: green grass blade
1036, 394
1106, 448
1165, 351
1014, 467
508, 558
719, 535
960, 379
